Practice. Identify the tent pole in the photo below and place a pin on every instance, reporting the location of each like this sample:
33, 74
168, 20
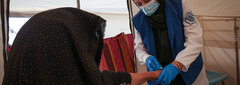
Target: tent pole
130, 12
78, 4
236, 49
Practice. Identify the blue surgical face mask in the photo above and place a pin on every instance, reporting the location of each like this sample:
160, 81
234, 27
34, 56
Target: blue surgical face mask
150, 8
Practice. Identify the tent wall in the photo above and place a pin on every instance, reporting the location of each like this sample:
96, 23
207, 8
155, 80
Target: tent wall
19, 8
3, 36
215, 7
113, 27
219, 46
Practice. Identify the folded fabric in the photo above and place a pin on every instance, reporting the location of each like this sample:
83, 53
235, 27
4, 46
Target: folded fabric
103, 65
125, 54
118, 54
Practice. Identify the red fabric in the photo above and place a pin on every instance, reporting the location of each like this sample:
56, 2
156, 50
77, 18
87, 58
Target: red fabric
118, 52
116, 55
108, 58
103, 64
130, 43
9, 48
125, 54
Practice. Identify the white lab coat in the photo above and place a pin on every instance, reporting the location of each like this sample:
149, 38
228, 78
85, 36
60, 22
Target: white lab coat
193, 46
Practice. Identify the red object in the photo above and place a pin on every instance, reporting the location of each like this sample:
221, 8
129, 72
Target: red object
108, 59
130, 43
103, 64
118, 54
9, 48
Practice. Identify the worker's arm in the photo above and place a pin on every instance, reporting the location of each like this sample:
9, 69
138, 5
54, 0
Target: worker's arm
141, 51
193, 38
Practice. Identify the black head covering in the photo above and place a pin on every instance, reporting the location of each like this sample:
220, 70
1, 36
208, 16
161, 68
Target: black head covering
57, 47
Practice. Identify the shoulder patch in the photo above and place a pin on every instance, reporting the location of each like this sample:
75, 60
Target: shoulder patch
190, 18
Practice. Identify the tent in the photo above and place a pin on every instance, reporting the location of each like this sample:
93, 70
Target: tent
3, 36
217, 17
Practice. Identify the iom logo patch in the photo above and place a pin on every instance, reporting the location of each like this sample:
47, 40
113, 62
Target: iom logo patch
190, 18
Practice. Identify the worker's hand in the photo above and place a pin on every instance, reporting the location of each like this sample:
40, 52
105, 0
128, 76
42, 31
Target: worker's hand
152, 64
168, 74
157, 74
152, 83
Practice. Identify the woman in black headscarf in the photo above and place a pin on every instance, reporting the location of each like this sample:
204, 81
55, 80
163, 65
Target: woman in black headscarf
63, 47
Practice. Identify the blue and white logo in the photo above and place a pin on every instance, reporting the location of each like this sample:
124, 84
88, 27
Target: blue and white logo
190, 18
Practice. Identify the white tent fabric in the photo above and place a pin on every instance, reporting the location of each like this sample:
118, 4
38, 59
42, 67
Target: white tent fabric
215, 7
114, 12
3, 36
105, 6
218, 34
31, 7
219, 46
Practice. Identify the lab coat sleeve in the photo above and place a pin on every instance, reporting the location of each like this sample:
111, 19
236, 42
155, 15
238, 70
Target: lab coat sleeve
141, 51
193, 38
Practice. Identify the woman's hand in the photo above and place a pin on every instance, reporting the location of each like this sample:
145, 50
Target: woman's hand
137, 79
140, 78
157, 74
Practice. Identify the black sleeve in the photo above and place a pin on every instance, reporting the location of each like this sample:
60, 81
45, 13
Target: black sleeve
115, 78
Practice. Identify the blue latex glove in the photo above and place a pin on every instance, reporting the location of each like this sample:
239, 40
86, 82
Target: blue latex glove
152, 83
152, 64
168, 74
